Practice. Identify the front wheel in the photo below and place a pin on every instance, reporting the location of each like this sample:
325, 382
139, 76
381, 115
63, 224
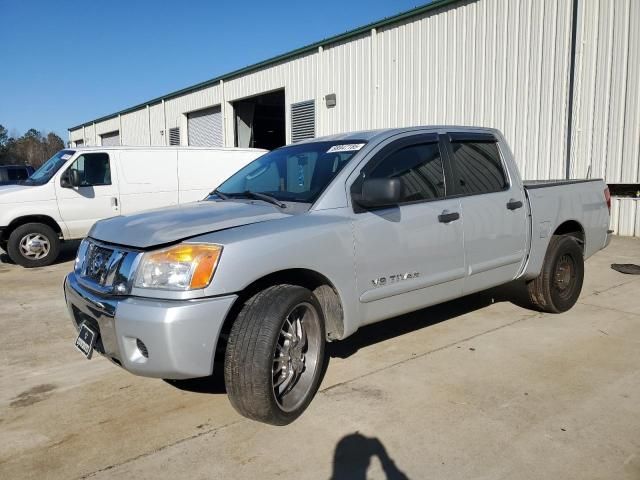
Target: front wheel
33, 245
559, 284
275, 354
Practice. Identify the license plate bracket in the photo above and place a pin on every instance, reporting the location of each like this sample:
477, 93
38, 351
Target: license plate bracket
86, 340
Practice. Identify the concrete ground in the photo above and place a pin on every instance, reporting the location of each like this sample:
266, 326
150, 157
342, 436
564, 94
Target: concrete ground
476, 388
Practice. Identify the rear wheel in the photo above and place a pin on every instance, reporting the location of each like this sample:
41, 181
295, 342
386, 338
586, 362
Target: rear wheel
33, 245
275, 354
559, 284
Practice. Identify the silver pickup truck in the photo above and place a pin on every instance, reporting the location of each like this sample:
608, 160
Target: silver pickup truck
314, 240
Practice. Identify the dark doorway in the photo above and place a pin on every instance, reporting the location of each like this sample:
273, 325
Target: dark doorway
260, 121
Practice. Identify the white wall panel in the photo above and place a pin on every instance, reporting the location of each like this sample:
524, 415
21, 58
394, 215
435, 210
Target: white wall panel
625, 216
345, 69
135, 128
107, 126
494, 63
157, 124
606, 134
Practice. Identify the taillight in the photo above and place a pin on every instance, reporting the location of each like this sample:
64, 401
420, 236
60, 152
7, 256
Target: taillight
607, 198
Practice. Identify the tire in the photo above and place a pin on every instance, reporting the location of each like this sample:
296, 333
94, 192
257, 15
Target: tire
259, 386
559, 284
41, 250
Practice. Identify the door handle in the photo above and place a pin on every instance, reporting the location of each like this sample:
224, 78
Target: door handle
447, 217
513, 204
114, 203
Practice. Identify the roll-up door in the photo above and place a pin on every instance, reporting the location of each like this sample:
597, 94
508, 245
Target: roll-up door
205, 127
111, 139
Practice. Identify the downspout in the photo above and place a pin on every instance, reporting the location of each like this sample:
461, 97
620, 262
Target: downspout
572, 75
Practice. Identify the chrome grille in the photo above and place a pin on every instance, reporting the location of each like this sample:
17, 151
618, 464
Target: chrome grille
105, 268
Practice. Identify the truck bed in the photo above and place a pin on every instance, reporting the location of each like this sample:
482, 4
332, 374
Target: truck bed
531, 184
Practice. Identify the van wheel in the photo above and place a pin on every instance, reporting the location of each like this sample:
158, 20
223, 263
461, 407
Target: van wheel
33, 245
558, 286
275, 354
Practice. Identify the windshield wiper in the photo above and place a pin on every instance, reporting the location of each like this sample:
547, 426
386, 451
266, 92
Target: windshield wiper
265, 197
220, 194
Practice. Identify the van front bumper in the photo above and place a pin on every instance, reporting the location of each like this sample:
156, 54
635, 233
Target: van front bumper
180, 337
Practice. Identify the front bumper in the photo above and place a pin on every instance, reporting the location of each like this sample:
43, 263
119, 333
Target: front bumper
180, 336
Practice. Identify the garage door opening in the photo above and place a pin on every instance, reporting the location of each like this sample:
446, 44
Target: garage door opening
260, 121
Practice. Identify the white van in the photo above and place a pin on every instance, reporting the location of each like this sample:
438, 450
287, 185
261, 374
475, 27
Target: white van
77, 187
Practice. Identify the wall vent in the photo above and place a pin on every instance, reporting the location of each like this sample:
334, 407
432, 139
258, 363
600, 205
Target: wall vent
303, 121
174, 136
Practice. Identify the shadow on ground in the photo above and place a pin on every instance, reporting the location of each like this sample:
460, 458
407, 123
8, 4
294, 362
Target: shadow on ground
68, 250
514, 292
353, 456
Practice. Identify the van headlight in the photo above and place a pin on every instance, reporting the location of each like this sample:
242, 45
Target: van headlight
182, 267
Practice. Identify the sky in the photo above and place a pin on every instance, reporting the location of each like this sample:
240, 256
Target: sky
64, 62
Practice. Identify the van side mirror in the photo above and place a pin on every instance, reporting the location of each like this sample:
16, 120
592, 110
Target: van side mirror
380, 192
70, 179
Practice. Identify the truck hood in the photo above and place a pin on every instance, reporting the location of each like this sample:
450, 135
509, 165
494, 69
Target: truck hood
171, 224
24, 193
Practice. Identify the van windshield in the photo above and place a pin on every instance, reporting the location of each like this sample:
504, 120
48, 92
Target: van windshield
296, 173
48, 169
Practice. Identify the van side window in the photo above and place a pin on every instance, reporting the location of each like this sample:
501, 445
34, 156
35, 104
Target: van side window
93, 168
16, 174
478, 167
419, 168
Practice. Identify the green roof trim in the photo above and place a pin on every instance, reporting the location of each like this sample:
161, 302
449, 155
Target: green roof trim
285, 56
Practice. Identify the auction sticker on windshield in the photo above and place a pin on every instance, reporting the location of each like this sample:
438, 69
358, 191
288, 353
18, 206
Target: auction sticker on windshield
347, 147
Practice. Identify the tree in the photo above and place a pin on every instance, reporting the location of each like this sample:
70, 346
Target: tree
31, 148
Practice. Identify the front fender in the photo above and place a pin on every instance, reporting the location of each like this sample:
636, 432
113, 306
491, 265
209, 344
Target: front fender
321, 241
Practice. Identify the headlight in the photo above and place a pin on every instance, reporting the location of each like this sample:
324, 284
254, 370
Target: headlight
181, 267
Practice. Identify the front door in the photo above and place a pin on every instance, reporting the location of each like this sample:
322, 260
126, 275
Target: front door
409, 256
95, 198
493, 206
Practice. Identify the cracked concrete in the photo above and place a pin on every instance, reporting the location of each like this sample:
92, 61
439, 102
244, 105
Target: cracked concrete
476, 388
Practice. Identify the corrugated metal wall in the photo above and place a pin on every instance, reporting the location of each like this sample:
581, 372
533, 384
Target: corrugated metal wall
496, 63
135, 128
606, 134
625, 216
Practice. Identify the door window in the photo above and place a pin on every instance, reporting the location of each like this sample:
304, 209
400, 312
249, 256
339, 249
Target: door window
478, 167
93, 169
419, 168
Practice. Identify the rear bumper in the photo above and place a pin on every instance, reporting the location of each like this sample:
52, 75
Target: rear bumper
607, 240
180, 336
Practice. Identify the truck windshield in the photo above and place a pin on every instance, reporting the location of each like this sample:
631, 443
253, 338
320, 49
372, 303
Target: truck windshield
296, 173
48, 169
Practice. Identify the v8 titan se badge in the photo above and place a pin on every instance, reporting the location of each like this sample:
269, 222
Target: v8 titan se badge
391, 279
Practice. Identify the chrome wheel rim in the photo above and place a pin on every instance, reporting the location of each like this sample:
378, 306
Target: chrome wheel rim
34, 246
296, 356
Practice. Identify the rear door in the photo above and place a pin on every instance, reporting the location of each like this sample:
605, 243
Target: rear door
410, 255
493, 207
97, 196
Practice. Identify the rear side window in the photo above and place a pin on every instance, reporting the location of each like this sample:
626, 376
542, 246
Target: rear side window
478, 167
17, 174
419, 168
94, 169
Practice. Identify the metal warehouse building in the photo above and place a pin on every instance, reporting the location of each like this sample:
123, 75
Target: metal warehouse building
561, 79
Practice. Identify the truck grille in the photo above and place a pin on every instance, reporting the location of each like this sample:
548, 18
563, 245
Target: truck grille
105, 268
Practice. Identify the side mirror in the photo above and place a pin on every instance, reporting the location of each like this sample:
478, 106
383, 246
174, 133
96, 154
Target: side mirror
380, 192
70, 179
